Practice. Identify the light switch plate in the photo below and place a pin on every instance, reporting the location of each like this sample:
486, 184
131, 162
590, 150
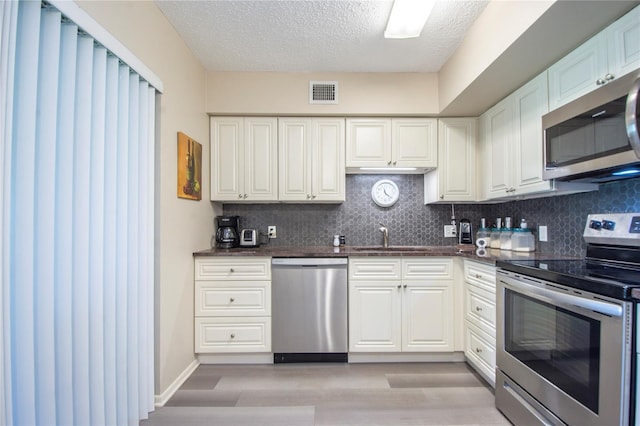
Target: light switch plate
449, 231
542, 233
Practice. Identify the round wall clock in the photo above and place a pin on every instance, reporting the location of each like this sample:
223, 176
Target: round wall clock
385, 193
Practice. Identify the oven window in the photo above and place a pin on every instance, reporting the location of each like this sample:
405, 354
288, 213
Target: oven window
596, 133
560, 345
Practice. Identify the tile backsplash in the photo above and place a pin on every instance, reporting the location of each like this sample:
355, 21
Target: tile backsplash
410, 222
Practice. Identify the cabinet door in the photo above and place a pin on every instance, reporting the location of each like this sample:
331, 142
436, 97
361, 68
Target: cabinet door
624, 44
427, 316
368, 142
530, 104
294, 152
227, 150
374, 316
414, 142
455, 176
328, 164
497, 149
261, 159
579, 72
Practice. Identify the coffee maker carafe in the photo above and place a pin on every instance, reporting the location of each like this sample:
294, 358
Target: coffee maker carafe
227, 232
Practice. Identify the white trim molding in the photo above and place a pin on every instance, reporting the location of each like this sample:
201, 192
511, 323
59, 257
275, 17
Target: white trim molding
164, 397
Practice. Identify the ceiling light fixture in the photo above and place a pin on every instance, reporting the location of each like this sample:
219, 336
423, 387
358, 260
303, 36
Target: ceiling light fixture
407, 18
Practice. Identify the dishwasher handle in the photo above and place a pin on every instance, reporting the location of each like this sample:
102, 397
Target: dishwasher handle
308, 261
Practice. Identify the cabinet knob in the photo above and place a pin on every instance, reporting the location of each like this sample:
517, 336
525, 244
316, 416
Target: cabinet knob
245, 196
233, 336
608, 77
441, 196
231, 270
308, 196
239, 195
313, 196
232, 300
395, 162
478, 308
389, 163
478, 276
478, 350
399, 286
404, 286
600, 82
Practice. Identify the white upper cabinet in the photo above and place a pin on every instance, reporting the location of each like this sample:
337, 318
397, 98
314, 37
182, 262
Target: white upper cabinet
244, 163
391, 142
311, 159
610, 54
455, 178
511, 158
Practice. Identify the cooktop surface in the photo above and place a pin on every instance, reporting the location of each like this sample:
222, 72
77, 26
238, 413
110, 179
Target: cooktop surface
587, 275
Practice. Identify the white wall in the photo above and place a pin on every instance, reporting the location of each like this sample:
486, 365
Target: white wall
184, 226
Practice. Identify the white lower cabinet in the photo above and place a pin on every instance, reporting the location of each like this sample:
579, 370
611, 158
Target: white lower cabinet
232, 305
401, 304
480, 318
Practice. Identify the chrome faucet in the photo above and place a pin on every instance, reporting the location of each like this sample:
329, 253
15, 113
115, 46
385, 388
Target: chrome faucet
385, 235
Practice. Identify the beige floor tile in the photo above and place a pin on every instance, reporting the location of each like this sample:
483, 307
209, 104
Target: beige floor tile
231, 416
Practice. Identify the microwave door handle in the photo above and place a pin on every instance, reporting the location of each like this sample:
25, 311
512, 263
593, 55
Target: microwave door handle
631, 117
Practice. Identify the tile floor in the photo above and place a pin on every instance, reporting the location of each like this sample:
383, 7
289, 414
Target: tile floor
331, 394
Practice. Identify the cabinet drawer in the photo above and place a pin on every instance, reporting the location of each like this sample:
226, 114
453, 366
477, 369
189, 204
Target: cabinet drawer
420, 267
235, 298
480, 274
480, 308
233, 268
232, 334
480, 351
374, 268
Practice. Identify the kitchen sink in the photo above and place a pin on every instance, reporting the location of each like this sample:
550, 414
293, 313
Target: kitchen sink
392, 248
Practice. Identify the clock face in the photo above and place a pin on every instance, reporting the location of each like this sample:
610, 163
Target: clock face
385, 193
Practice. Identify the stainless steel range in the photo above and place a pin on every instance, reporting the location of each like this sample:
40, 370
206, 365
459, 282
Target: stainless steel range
566, 344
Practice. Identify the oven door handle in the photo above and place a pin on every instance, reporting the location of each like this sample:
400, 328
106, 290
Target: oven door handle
598, 306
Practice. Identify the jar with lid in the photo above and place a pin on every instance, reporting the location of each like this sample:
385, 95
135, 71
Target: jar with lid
522, 240
505, 239
494, 242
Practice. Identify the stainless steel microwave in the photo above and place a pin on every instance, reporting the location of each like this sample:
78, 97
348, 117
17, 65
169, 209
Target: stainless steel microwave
595, 137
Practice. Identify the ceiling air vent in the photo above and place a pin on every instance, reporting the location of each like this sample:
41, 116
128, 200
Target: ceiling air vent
323, 92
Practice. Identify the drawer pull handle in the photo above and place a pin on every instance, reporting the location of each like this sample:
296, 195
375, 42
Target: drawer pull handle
478, 350
232, 300
233, 336
478, 308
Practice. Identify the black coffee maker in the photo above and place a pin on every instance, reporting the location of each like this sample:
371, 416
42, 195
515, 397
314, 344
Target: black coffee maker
227, 233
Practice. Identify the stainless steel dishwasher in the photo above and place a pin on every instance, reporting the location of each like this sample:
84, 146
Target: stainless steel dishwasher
309, 309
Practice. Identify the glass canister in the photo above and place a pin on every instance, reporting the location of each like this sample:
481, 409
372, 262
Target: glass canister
522, 240
505, 239
494, 243
483, 234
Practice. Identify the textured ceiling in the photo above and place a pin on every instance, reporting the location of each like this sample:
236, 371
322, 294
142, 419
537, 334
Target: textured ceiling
315, 35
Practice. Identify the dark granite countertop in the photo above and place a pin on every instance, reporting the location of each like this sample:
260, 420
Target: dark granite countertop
465, 251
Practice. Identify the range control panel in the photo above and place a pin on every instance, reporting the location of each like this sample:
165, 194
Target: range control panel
613, 228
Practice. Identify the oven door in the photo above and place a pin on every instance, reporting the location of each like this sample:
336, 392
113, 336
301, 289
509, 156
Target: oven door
569, 350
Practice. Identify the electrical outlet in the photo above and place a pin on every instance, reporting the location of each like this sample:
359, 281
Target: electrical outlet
542, 233
449, 231
271, 231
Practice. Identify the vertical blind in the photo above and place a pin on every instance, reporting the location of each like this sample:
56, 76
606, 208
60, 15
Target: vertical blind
78, 220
